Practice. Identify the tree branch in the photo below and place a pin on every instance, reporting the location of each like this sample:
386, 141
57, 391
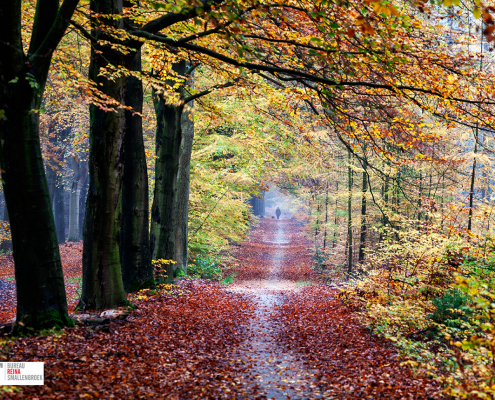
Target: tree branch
83, 31
295, 75
208, 91
41, 57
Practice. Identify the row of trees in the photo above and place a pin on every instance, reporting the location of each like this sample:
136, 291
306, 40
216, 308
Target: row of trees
350, 78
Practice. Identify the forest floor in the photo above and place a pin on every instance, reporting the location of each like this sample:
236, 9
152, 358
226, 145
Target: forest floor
276, 333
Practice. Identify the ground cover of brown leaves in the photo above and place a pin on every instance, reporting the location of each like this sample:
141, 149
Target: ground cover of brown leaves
348, 362
71, 256
352, 363
174, 348
278, 332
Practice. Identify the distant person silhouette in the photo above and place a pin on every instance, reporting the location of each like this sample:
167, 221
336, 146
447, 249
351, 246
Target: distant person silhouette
278, 212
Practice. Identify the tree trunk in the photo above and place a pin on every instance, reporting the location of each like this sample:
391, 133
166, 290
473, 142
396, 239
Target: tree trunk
41, 300
362, 240
317, 216
102, 276
59, 208
181, 207
334, 242
82, 202
51, 175
349, 215
6, 244
168, 133
471, 188
326, 217
80, 173
168, 144
137, 271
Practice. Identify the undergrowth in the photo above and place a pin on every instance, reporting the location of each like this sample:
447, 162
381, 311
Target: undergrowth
433, 295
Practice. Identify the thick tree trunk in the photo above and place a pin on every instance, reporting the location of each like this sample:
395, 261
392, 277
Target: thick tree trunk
137, 271
181, 203
41, 300
31, 219
102, 276
168, 133
168, 143
28, 201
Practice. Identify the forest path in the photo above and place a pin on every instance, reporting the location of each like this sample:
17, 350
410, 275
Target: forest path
302, 341
274, 260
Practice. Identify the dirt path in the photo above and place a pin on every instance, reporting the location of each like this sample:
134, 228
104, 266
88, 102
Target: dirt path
303, 342
267, 271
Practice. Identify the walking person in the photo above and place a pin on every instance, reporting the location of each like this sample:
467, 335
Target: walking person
278, 212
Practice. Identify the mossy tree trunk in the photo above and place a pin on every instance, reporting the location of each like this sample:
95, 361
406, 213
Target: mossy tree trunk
181, 203
168, 141
41, 300
174, 140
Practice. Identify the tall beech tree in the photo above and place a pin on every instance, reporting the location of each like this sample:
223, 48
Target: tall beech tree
41, 299
102, 272
174, 140
174, 143
137, 271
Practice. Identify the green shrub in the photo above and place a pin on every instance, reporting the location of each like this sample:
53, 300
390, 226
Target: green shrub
228, 280
451, 309
205, 268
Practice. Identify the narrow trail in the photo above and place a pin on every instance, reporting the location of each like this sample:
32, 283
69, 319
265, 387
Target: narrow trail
267, 271
302, 341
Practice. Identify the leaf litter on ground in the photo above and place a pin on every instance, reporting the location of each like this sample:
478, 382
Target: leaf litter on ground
265, 336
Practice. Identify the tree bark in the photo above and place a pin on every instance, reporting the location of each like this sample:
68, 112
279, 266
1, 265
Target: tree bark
362, 240
82, 203
41, 300
471, 188
59, 208
349, 214
326, 217
102, 276
181, 203
80, 172
137, 271
169, 140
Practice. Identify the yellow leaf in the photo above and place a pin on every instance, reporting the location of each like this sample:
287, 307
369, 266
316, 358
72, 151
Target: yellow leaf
477, 12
